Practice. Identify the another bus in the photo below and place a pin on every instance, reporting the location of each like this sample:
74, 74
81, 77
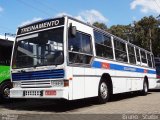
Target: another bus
157, 64
64, 58
5, 57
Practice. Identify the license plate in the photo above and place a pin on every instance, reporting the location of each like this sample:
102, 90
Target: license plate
50, 92
32, 93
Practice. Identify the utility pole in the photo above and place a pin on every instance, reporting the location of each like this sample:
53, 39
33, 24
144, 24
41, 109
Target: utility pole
9, 34
129, 32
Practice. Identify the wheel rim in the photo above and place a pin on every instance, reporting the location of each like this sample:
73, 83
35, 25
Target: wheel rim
145, 88
103, 90
6, 92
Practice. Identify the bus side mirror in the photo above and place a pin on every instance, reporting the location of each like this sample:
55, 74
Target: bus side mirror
73, 30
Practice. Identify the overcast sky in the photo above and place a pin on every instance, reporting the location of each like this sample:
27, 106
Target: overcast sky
14, 13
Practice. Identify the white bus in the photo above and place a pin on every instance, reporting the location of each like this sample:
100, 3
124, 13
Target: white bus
64, 58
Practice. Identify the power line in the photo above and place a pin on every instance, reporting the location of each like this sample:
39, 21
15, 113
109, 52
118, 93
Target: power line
51, 8
2, 32
33, 7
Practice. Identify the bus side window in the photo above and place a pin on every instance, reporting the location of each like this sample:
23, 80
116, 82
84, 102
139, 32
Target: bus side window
80, 49
99, 44
120, 51
131, 54
103, 45
149, 60
143, 58
5, 56
138, 57
74, 43
153, 62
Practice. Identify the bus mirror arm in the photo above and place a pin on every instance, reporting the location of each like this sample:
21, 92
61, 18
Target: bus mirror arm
22, 71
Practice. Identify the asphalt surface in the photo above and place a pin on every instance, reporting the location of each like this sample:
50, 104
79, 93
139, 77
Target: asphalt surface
128, 103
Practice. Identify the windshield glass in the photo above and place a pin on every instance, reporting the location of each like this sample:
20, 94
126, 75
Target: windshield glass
40, 49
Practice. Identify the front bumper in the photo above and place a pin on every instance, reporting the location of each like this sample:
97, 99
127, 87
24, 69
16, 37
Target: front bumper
54, 93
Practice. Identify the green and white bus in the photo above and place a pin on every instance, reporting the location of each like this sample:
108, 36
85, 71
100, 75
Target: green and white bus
5, 56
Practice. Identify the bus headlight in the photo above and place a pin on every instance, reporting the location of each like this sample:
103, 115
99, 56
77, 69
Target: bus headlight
57, 83
16, 84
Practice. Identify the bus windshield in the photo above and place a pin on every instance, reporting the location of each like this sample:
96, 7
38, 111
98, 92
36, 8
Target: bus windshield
5, 56
39, 49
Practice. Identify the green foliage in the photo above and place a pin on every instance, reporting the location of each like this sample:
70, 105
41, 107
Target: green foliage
100, 25
122, 31
142, 32
138, 33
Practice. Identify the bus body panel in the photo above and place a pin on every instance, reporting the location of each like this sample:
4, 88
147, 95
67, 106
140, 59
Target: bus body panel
61, 93
4, 73
78, 83
6, 45
91, 82
126, 81
5, 56
81, 87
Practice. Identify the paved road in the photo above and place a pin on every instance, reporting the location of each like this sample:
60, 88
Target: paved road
119, 104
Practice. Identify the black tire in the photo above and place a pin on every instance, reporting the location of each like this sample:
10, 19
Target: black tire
4, 90
103, 92
145, 88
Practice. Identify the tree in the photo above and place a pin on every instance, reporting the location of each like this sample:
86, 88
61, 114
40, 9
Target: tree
100, 25
144, 33
122, 31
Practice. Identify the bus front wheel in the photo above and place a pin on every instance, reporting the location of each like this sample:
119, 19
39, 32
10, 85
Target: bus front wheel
103, 92
4, 90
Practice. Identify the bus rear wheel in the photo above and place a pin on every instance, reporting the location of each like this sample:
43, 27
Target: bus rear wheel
103, 92
5, 90
145, 88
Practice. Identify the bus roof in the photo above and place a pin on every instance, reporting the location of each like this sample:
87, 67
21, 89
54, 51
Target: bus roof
105, 32
88, 24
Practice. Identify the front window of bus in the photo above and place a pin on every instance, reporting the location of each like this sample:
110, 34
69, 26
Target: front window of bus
40, 49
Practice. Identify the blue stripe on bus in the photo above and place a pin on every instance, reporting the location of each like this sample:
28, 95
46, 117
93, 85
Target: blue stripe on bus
97, 64
151, 72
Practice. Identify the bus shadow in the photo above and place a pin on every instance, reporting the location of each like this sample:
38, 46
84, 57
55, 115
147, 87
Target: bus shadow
155, 90
60, 106
48, 105
123, 96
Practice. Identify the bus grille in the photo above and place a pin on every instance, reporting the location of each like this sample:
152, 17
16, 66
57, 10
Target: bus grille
37, 75
36, 84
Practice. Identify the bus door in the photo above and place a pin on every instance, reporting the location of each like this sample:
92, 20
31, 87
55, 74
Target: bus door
80, 53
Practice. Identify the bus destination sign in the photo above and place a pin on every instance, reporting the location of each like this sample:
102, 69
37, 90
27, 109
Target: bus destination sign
41, 25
